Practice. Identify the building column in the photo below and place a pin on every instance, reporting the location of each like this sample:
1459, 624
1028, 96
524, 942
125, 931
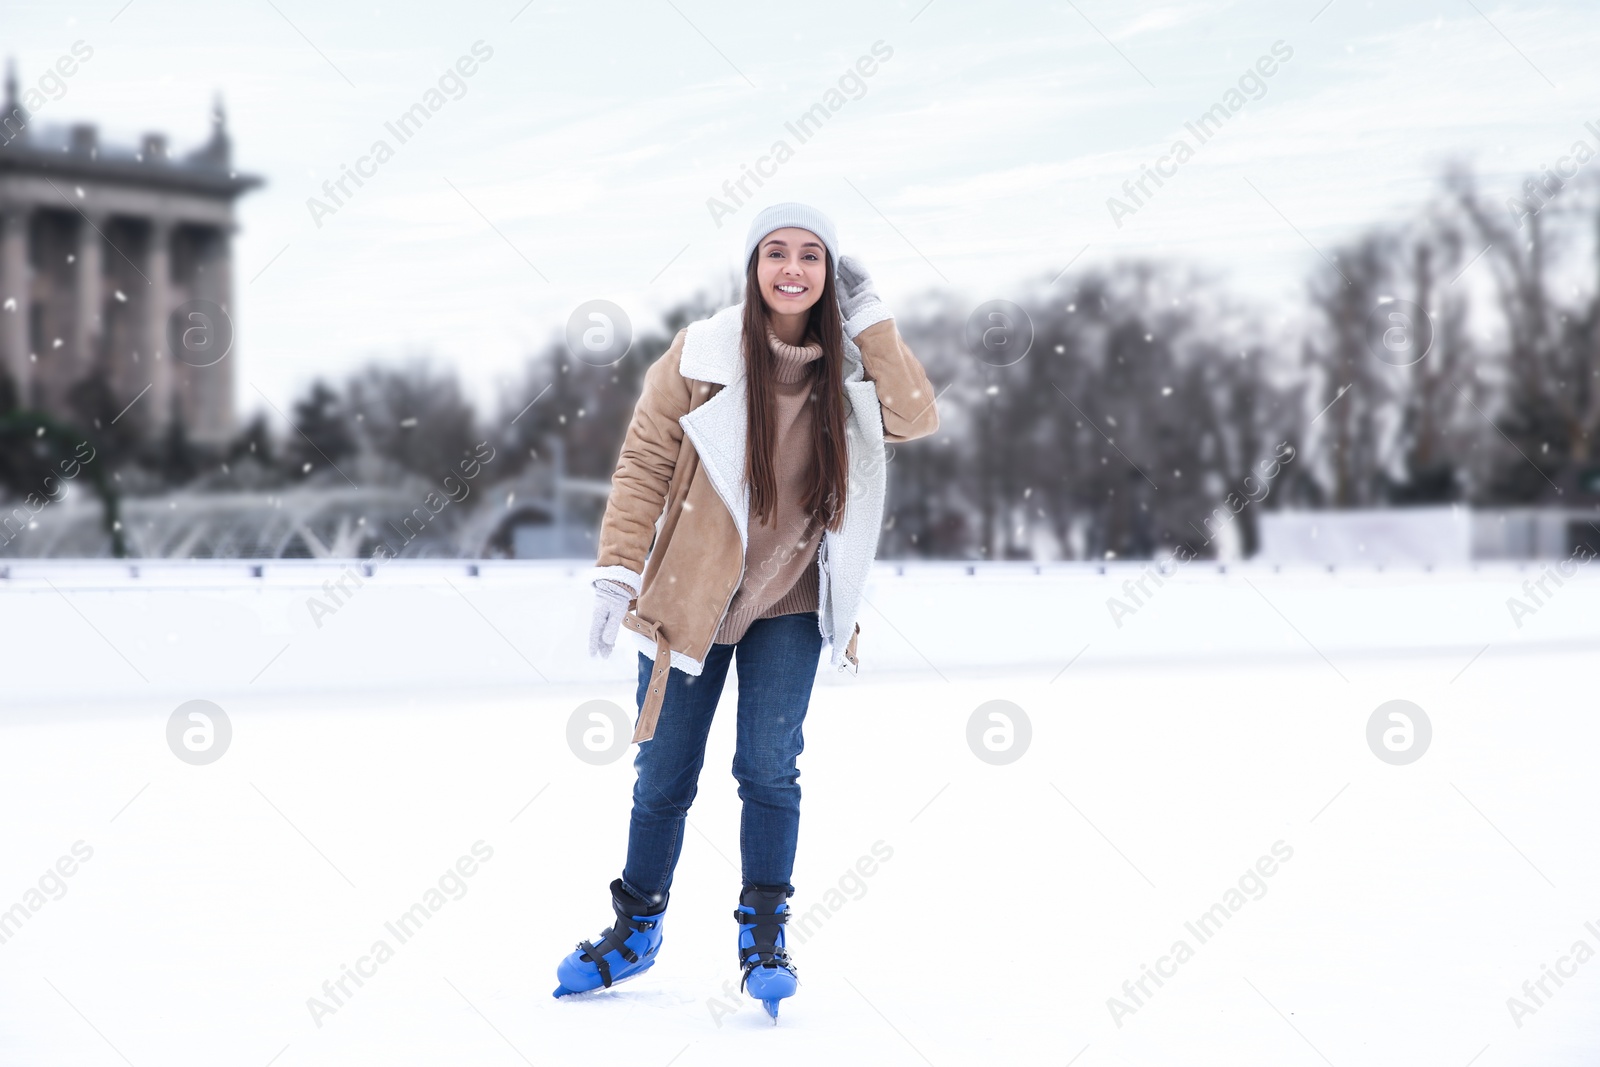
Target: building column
15, 299
213, 422
87, 327
158, 275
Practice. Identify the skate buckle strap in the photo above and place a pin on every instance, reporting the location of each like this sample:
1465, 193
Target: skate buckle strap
597, 956
610, 941
748, 917
751, 959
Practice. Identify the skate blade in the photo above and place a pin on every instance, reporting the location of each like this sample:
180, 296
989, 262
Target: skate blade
562, 992
772, 1009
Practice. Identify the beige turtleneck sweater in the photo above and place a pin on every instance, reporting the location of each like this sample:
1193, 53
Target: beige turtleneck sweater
780, 570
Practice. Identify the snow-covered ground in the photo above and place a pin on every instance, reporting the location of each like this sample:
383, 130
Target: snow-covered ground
1212, 750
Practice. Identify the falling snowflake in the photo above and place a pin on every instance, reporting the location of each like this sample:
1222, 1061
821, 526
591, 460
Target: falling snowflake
122, 298
11, 303
306, 468
408, 423
79, 190
57, 343
1166, 390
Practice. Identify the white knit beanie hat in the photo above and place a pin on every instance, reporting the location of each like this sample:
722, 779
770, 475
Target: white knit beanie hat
777, 216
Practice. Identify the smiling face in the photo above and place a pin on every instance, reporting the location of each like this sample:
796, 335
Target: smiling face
791, 267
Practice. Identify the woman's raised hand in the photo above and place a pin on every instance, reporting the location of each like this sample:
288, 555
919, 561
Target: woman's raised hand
855, 287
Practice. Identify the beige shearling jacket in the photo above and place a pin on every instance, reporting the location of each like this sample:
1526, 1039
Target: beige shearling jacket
675, 527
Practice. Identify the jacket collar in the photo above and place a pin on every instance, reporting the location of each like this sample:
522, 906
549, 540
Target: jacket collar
711, 350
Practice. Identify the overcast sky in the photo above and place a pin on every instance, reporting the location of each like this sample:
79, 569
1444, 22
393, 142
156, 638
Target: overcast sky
578, 160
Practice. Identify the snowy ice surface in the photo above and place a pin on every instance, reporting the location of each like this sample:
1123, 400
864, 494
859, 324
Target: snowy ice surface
429, 712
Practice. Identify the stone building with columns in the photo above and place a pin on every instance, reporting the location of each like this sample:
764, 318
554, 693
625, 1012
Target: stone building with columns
116, 274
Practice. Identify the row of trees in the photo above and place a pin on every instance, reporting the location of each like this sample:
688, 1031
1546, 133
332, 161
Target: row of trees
1452, 357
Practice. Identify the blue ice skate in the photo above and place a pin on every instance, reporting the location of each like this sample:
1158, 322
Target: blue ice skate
625, 950
769, 973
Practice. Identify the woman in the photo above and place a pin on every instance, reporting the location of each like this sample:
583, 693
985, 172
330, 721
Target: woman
752, 474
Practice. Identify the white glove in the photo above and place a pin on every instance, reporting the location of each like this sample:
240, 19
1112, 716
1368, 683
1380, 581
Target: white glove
855, 290
610, 605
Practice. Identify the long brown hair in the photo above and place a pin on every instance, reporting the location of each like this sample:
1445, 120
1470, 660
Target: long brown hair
830, 464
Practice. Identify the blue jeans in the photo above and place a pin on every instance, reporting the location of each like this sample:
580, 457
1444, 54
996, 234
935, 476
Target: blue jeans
777, 660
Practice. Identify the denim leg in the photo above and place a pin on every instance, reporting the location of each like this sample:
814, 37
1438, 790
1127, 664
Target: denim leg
777, 665
667, 771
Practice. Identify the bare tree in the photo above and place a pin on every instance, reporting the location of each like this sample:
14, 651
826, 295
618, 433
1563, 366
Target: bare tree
1549, 408
413, 415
